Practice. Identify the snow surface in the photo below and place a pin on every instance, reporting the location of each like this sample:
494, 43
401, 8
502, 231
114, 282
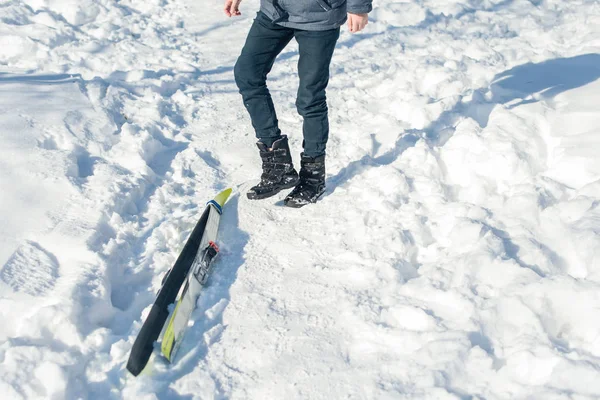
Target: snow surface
456, 254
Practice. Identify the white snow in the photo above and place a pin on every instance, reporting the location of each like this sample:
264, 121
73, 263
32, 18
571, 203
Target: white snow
455, 255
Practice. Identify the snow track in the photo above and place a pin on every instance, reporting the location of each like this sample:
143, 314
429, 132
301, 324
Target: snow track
455, 255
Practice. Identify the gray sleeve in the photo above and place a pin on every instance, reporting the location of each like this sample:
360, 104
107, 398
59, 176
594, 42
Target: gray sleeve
359, 6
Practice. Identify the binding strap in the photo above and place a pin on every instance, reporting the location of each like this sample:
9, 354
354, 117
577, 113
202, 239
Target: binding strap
216, 205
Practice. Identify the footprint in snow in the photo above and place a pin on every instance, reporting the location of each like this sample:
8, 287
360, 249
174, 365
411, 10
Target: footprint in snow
31, 269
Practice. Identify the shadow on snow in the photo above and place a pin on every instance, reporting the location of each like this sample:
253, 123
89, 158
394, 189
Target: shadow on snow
520, 85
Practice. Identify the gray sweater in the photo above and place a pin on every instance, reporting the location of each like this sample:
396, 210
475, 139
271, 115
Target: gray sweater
313, 15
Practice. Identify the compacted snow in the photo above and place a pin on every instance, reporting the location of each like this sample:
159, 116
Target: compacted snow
455, 255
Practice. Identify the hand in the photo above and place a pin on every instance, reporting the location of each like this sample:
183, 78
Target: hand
357, 22
232, 8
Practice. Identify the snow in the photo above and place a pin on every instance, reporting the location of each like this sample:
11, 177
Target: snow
455, 255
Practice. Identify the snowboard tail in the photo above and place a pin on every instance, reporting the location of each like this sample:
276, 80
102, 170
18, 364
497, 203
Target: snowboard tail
204, 233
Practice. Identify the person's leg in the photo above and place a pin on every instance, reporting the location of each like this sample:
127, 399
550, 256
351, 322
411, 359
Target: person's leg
264, 42
316, 50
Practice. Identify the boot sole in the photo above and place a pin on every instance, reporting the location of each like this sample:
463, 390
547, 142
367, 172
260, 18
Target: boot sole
254, 196
292, 204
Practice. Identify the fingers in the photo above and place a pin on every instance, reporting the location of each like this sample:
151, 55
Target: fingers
353, 23
232, 8
363, 22
236, 7
357, 23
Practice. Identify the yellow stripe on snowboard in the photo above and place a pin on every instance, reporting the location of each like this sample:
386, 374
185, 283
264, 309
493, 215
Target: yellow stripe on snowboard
169, 338
222, 197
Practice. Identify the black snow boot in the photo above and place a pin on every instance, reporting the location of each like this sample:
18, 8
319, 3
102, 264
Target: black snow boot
312, 182
278, 170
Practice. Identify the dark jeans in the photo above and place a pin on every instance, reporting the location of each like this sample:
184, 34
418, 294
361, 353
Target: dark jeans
265, 41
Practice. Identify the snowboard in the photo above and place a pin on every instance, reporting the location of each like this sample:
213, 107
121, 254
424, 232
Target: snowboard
181, 288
